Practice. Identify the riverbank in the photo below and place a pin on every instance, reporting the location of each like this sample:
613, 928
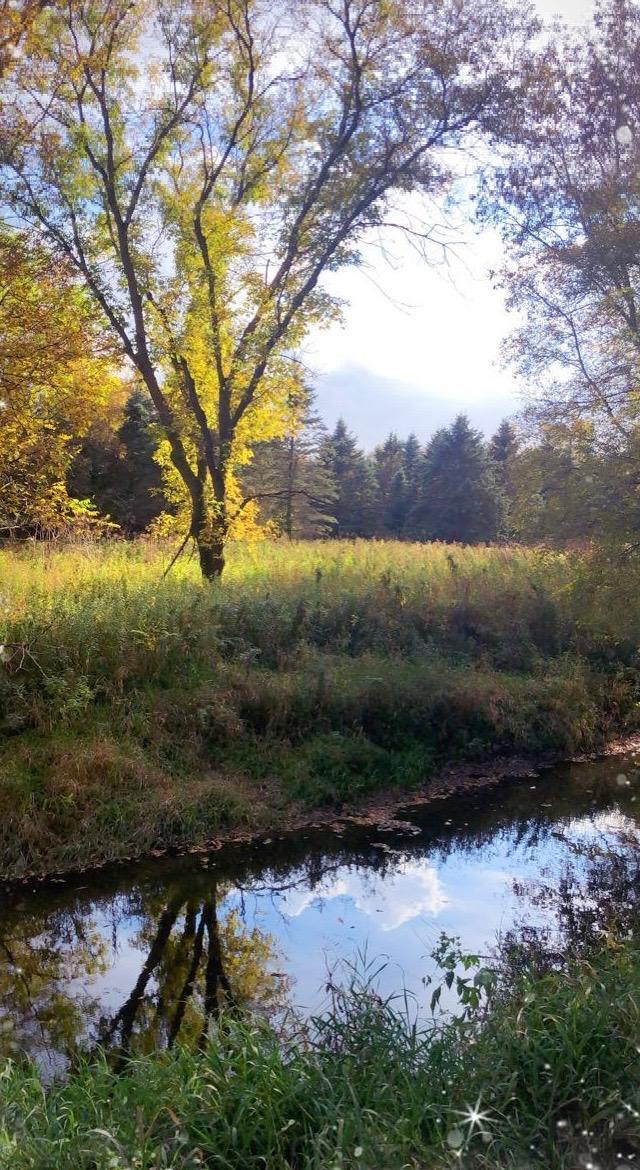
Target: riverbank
140, 713
547, 1077
389, 810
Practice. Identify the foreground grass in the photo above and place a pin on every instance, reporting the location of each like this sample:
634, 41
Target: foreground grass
138, 711
553, 1069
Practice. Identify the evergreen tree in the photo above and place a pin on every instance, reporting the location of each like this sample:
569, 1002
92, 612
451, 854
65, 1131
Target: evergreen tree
388, 466
141, 482
398, 505
504, 444
352, 473
503, 450
412, 463
408, 487
294, 488
118, 471
460, 499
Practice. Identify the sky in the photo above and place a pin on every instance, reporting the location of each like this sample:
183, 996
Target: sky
420, 342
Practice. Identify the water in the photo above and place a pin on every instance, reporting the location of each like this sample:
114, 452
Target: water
137, 956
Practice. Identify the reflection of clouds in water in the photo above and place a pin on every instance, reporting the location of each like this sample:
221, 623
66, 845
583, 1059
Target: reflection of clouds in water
414, 889
601, 824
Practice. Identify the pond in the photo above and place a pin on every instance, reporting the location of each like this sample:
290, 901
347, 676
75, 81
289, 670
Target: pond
143, 955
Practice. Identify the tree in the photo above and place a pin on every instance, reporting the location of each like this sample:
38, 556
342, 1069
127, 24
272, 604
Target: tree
16, 17
354, 504
388, 466
141, 482
412, 463
503, 449
293, 487
116, 466
406, 487
55, 374
198, 961
568, 201
460, 500
398, 504
196, 957
503, 446
203, 165
570, 487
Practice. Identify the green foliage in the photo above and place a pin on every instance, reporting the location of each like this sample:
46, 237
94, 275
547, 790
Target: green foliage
546, 1078
460, 499
355, 485
473, 991
569, 484
391, 486
117, 469
503, 452
293, 486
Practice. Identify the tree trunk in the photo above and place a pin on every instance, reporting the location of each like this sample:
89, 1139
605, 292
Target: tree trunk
211, 556
210, 539
288, 519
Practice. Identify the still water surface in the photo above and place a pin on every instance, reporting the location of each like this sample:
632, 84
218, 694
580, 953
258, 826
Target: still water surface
139, 956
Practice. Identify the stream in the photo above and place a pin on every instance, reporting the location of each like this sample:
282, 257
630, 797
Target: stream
143, 955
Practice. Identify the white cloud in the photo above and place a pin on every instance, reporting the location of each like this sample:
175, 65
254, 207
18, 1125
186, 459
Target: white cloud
573, 11
413, 890
425, 335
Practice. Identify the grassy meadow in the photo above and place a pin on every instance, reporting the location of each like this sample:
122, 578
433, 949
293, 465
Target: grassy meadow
138, 710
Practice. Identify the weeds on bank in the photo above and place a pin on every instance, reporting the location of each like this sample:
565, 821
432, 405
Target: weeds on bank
150, 709
547, 1077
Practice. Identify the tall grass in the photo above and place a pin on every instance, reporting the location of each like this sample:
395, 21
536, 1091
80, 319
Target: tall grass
108, 612
158, 709
548, 1078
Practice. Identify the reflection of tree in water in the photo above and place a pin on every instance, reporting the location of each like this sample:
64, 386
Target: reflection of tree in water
198, 956
196, 961
597, 895
38, 962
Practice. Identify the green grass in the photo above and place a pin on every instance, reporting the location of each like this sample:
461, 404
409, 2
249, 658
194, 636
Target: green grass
138, 711
553, 1066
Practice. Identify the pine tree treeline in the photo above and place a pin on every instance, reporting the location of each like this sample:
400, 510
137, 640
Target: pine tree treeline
451, 490
558, 485
457, 488
314, 483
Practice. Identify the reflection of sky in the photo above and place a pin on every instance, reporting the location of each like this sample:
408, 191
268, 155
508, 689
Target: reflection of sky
398, 915
603, 824
360, 910
412, 890
401, 915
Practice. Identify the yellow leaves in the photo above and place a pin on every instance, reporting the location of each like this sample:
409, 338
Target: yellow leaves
245, 523
55, 374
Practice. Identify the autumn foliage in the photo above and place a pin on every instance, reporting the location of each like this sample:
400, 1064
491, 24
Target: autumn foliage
56, 372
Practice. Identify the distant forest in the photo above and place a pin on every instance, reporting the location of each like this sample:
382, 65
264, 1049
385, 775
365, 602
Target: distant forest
315, 483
